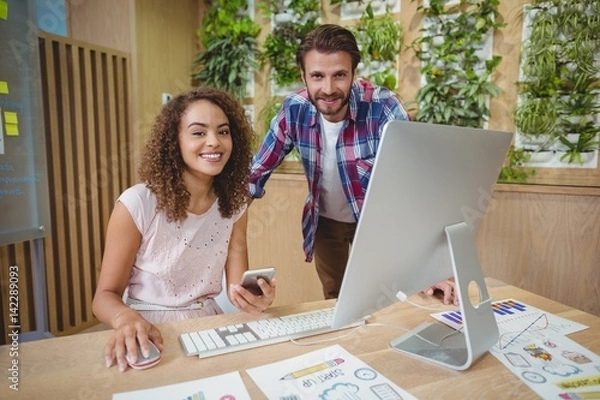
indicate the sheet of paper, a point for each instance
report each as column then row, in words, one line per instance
column 513, row 315
column 221, row 387
column 532, row 345
column 552, row 365
column 3, row 85
column 327, row 374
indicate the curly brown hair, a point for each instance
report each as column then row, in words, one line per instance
column 162, row 164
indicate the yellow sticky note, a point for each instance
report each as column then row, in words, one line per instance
column 3, row 87
column 10, row 117
column 3, row 9
column 12, row 130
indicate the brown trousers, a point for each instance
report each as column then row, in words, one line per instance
column 332, row 248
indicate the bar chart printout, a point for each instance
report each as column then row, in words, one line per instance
column 512, row 315
column 534, row 346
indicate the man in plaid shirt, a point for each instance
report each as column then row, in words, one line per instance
column 335, row 124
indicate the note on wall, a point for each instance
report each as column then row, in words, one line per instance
column 12, row 123
column 11, row 117
column 1, row 133
column 12, row 129
column 3, row 86
column 3, row 10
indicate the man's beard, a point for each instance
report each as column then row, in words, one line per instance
column 329, row 110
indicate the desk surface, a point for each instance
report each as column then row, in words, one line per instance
column 72, row 367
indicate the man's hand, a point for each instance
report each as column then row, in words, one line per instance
column 447, row 289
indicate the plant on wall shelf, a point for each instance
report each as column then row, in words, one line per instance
column 230, row 47
column 586, row 143
column 514, row 169
column 558, row 89
column 537, row 120
column 379, row 39
column 292, row 20
column 456, row 77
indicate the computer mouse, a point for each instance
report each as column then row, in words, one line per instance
column 146, row 362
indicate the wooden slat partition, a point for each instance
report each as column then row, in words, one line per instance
column 18, row 254
column 87, row 94
column 89, row 146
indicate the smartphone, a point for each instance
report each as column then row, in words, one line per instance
column 250, row 278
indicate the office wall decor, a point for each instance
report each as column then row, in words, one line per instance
column 559, row 87
column 230, row 47
column 291, row 20
column 380, row 40
column 457, row 62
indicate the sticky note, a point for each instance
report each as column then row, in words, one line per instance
column 3, row 87
column 12, row 130
column 3, row 10
column 10, row 117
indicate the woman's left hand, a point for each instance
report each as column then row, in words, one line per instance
column 246, row 301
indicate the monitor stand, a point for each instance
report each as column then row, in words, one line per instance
column 446, row 346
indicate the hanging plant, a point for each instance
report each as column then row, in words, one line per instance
column 456, row 79
column 514, row 169
column 379, row 39
column 230, row 46
column 561, row 76
column 292, row 20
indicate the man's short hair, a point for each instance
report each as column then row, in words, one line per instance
column 327, row 39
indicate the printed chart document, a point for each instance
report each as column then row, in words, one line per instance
column 533, row 345
column 512, row 314
column 327, row 374
column 222, row 387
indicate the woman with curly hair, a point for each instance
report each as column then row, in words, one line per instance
column 171, row 238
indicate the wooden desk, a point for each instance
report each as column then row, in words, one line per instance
column 72, row 367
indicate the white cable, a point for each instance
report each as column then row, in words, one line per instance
column 429, row 308
column 445, row 308
column 310, row 343
column 327, row 340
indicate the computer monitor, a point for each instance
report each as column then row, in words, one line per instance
column 429, row 190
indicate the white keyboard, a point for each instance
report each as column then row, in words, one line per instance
column 231, row 338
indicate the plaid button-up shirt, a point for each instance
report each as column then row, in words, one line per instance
column 297, row 126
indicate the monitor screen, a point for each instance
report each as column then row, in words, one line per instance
column 425, row 177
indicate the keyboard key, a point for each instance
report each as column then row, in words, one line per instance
column 188, row 344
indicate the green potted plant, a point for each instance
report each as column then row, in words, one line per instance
column 586, row 144
column 279, row 49
column 230, row 47
column 457, row 79
column 537, row 120
column 514, row 169
column 379, row 39
column 561, row 77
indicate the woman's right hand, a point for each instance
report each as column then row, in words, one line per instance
column 130, row 328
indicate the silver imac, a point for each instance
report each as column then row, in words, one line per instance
column 429, row 190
